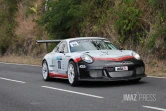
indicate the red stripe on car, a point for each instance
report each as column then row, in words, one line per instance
column 51, row 74
column 114, row 59
column 77, row 59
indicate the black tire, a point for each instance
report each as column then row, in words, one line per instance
column 73, row 71
column 45, row 71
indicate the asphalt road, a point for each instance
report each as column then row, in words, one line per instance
column 23, row 89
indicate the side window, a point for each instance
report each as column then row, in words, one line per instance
column 60, row 47
column 110, row 46
column 63, row 47
column 57, row 48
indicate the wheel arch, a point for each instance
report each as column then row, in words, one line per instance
column 71, row 59
column 43, row 61
column 47, row 64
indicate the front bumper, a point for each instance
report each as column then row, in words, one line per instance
column 111, row 79
column 105, row 70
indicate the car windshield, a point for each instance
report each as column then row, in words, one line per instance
column 85, row 45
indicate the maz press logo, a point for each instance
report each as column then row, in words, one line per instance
column 138, row 97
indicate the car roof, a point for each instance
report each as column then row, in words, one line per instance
column 80, row 38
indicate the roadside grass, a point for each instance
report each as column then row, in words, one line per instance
column 21, row 60
column 153, row 68
column 156, row 68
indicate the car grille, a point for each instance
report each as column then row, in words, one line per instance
column 121, row 74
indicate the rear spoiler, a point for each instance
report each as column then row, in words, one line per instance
column 48, row 41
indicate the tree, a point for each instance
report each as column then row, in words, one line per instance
column 63, row 17
column 7, row 23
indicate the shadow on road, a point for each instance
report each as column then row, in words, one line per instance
column 109, row 84
column 90, row 84
column 62, row 81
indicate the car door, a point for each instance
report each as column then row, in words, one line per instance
column 62, row 58
column 54, row 55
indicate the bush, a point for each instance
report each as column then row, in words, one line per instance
column 128, row 23
column 63, row 17
column 8, row 9
column 157, row 39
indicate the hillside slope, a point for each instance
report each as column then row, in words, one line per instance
column 139, row 25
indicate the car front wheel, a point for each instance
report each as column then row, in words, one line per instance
column 72, row 74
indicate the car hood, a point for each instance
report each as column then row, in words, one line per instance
column 108, row 53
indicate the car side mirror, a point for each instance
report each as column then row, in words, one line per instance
column 121, row 48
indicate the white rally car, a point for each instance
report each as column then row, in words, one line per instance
column 91, row 59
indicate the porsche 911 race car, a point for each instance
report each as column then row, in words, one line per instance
column 91, row 59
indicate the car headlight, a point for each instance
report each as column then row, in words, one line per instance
column 136, row 56
column 86, row 58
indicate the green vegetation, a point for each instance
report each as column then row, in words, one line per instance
column 157, row 39
column 128, row 23
column 7, row 23
column 134, row 24
column 63, row 17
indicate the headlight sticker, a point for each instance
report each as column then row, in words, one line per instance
column 87, row 58
column 136, row 56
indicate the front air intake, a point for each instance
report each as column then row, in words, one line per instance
column 96, row 73
column 140, row 70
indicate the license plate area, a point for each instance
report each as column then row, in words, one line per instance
column 121, row 68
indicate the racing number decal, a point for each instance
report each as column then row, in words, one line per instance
column 59, row 64
column 59, row 58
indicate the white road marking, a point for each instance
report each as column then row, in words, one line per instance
column 157, row 77
column 12, row 80
column 20, row 64
column 74, row 92
column 155, row 108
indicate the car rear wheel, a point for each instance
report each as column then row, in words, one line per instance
column 72, row 74
column 45, row 71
